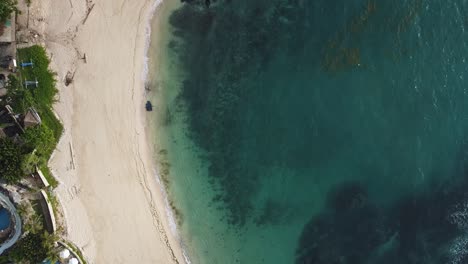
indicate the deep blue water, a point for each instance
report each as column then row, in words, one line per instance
column 4, row 219
column 327, row 131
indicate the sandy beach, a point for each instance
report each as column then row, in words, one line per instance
column 113, row 206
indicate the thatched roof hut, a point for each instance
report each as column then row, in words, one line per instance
column 31, row 118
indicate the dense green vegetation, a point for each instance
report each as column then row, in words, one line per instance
column 37, row 243
column 33, row 248
column 40, row 138
column 6, row 8
column 33, row 149
column 11, row 159
column 43, row 97
column 38, row 142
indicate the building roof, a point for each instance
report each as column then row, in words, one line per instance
column 31, row 118
column 8, row 35
column 9, row 131
column 3, row 91
column 5, row 116
column 9, row 124
column 6, row 122
column 64, row 254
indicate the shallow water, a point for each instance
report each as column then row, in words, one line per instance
column 316, row 131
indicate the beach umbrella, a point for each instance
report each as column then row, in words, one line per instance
column 64, row 254
column 73, row 261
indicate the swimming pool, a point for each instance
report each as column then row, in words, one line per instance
column 48, row 262
column 5, row 220
column 5, row 201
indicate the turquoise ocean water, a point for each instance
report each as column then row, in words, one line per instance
column 316, row 131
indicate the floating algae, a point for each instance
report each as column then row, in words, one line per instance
column 164, row 169
column 338, row 55
column 342, row 59
column 342, row 51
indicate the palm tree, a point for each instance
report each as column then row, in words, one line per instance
column 49, row 243
column 22, row 209
column 34, row 224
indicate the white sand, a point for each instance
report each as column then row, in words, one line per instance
column 113, row 207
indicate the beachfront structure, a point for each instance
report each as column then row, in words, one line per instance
column 50, row 223
column 39, row 175
column 9, row 30
column 8, row 46
column 3, row 83
column 27, row 64
column 31, row 83
column 9, row 125
column 31, row 118
column 64, row 254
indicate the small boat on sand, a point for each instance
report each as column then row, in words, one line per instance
column 149, row 106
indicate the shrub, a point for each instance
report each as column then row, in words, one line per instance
column 30, row 248
column 11, row 160
column 40, row 138
column 43, row 95
column 6, row 8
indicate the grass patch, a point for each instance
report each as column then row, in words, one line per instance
column 45, row 93
column 50, row 120
column 42, row 97
column 48, row 175
column 53, row 202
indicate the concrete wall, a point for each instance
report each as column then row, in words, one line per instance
column 51, row 224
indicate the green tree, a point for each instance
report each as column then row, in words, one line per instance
column 34, row 224
column 6, row 8
column 30, row 162
column 48, row 243
column 40, row 138
column 22, row 99
column 30, row 248
column 11, row 160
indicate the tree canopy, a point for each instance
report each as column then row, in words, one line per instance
column 31, row 248
column 11, row 160
column 6, row 8
column 40, row 138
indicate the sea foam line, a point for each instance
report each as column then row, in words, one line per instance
column 154, row 6
column 169, row 214
column 171, row 218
